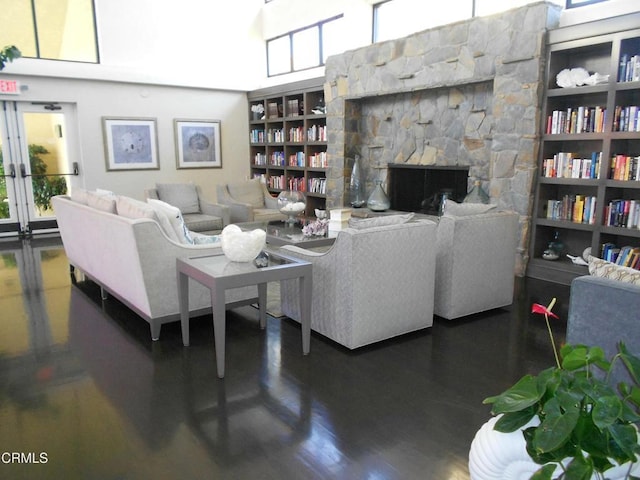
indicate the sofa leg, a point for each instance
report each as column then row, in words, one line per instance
column 155, row 331
column 103, row 293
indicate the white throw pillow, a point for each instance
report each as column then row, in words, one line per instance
column 171, row 221
column 102, row 202
column 460, row 209
column 131, row 208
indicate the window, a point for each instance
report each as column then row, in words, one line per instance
column 305, row 48
column 50, row 29
column 580, row 3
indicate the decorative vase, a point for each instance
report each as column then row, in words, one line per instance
column 555, row 248
column 378, row 200
column 292, row 203
column 240, row 246
column 503, row 456
column 476, row 194
column 356, row 185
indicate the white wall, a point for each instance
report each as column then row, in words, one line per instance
column 95, row 99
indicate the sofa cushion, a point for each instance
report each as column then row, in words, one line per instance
column 460, row 209
column 249, row 192
column 170, row 220
column 381, row 221
column 604, row 269
column 80, row 195
column 102, row 202
column 181, row 195
column 198, row 222
column 131, row 208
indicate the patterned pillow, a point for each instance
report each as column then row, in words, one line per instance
column 381, row 221
column 460, row 209
column 604, row 269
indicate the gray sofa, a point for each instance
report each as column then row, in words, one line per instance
column 603, row 312
column 120, row 244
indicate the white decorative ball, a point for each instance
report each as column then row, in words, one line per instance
column 240, row 246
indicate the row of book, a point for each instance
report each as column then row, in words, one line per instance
column 318, row 185
column 582, row 119
column 277, row 158
column 280, row 182
column 318, row 160
column 629, row 69
column 317, row 133
column 573, row 208
column 297, row 159
column 624, row 167
column 626, row 119
column 626, row 256
column 622, row 213
column 568, row 165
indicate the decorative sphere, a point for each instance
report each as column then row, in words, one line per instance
column 239, row 246
column 291, row 203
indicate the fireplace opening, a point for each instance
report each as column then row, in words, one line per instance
column 418, row 188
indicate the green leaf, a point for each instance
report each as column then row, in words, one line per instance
column 520, row 396
column 512, row 421
column 625, row 442
column 556, row 428
column 545, row 472
column 606, row 411
column 631, row 362
column 575, row 358
column 579, row 469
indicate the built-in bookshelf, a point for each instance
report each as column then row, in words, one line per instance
column 288, row 139
column 588, row 183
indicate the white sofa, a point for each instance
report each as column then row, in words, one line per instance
column 376, row 282
column 119, row 243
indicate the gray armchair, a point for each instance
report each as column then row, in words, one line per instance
column 373, row 284
column 249, row 201
column 475, row 265
column 199, row 214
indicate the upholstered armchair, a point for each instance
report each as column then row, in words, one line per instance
column 373, row 284
column 199, row 214
column 249, row 201
column 475, row 265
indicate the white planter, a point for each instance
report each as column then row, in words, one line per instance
column 503, row 456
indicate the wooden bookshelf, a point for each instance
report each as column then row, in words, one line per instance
column 601, row 47
column 288, row 141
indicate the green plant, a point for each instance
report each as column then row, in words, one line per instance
column 584, row 422
column 43, row 187
column 9, row 54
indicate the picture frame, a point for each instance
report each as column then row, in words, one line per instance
column 198, row 143
column 130, row 143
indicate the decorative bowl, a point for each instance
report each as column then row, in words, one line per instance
column 240, row 246
column 291, row 203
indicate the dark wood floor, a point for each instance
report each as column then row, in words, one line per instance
column 84, row 388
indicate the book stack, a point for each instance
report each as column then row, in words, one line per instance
column 622, row 213
column 573, row 208
column 339, row 218
column 569, row 165
column 624, row 167
column 626, row 256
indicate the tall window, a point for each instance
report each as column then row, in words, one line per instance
column 50, row 29
column 304, row 48
column 580, row 3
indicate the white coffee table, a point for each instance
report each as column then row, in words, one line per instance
column 217, row 273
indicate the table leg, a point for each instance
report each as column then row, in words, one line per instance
column 262, row 305
column 183, row 301
column 219, row 327
column 304, row 283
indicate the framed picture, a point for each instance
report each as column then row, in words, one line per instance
column 130, row 143
column 198, row 144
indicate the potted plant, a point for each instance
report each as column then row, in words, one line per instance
column 8, row 54
column 574, row 423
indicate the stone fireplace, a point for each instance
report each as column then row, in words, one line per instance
column 465, row 94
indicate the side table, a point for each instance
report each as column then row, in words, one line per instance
column 218, row 274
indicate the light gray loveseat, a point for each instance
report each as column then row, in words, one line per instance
column 119, row 243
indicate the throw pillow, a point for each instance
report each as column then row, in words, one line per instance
column 80, row 195
column 181, row 195
column 202, row 239
column 171, row 221
column 460, row 209
column 249, row 192
column 604, row 269
column 103, row 202
column 381, row 221
column 130, row 208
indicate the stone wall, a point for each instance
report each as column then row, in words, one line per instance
column 461, row 94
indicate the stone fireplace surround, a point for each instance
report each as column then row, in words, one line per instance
column 464, row 94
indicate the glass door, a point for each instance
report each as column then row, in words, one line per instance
column 35, row 165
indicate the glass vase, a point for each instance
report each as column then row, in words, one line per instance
column 477, row 194
column 378, row 200
column 356, row 185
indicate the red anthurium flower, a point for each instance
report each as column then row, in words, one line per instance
column 541, row 309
